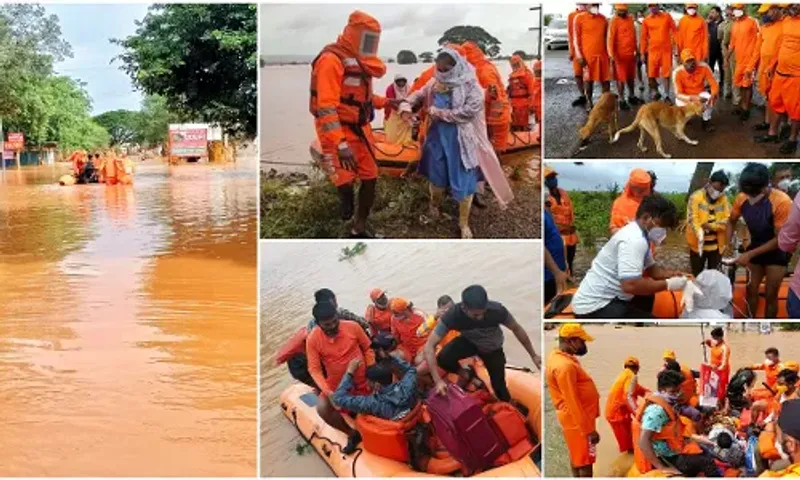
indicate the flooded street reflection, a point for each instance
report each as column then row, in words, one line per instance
column 127, row 323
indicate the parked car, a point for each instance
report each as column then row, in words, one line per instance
column 555, row 34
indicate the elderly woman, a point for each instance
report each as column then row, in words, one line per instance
column 456, row 149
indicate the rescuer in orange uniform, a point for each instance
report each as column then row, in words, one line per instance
column 744, row 34
column 623, row 210
column 622, row 403
column 563, row 212
column 720, row 356
column 577, row 68
column 537, row 95
column 343, row 106
column 657, row 40
column 378, row 314
column 784, row 94
column 575, row 397
column 520, row 94
column 590, row 31
column 767, row 46
column 771, row 366
column 406, row 321
column 788, row 437
column 689, row 385
column 623, row 52
column 690, row 80
column 498, row 110
column 693, row 34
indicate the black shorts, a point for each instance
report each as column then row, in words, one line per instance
column 775, row 257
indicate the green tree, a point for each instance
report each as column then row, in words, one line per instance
column 406, row 57
column 122, row 126
column 155, row 118
column 426, row 57
column 547, row 19
column 202, row 58
column 462, row 33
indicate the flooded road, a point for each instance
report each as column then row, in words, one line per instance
column 127, row 333
column 732, row 138
column 287, row 129
column 607, row 354
column 416, row 271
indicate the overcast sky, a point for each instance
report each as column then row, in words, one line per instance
column 88, row 29
column 302, row 29
column 598, row 175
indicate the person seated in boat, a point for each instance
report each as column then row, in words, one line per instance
column 327, row 295
column 662, row 444
column 406, row 322
column 389, row 400
column 456, row 144
column 785, row 389
column 378, row 314
column 330, row 348
column 624, row 277
column 771, row 366
column 478, row 321
column 396, row 123
column 722, row 443
column 788, row 439
column 88, row 172
column 765, row 211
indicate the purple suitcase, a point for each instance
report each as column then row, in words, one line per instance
column 464, row 429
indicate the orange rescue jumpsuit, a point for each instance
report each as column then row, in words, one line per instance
column 621, row 405
column 721, row 360
column 784, row 94
column 498, row 110
column 537, row 95
column 770, row 371
column 693, row 34
column 623, row 210
column 342, row 101
column 564, row 217
column 577, row 69
column 622, row 47
column 334, row 353
column 744, row 34
column 694, row 83
column 408, row 340
column 520, row 93
column 767, row 46
column 577, row 402
column 689, row 387
column 656, row 42
column 590, row 45
column 379, row 319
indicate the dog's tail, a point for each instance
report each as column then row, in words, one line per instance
column 629, row 128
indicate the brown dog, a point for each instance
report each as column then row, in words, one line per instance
column 658, row 114
column 605, row 110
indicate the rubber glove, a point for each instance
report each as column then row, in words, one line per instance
column 676, row 283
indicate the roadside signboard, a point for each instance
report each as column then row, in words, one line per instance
column 16, row 141
column 8, row 154
column 188, row 141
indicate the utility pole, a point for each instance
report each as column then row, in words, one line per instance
column 538, row 29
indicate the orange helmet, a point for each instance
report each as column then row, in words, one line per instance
column 686, row 55
column 399, row 304
column 376, row 293
column 362, row 34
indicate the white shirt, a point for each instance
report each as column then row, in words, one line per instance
column 627, row 255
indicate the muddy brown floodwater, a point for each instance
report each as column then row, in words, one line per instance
column 612, row 344
column 421, row 272
column 127, row 339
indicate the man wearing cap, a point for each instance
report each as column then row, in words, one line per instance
column 330, row 348
column 693, row 34
column 788, row 437
column 689, row 385
column 623, row 210
column 743, row 47
column 406, row 320
column 378, row 313
column 658, row 38
column 591, row 29
column 690, row 80
column 622, row 403
column 623, row 51
column 563, row 213
column 478, row 320
column 575, row 398
column 784, row 94
column 767, row 44
column 624, row 278
column 577, row 68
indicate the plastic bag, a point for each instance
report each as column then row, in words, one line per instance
column 708, row 296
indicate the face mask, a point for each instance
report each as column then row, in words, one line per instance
column 672, row 397
column 713, row 193
column 784, row 185
column 714, row 342
column 691, row 11
column 551, row 182
column 594, row 10
column 657, row 235
column 738, row 13
column 622, row 14
column 654, row 10
column 768, row 362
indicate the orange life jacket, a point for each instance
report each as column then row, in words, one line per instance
column 517, row 88
column 355, row 100
column 387, row 438
column 294, row 346
column 689, row 385
column 512, row 427
column 672, row 433
column 381, row 320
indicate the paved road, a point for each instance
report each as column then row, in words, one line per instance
column 732, row 138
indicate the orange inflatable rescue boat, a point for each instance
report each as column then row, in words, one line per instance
column 395, row 159
column 668, row 304
column 383, row 453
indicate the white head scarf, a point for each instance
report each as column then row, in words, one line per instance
column 460, row 74
column 401, row 93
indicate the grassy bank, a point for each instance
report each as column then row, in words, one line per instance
column 299, row 206
column 555, row 449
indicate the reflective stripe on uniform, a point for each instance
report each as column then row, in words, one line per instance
column 352, row 81
column 327, row 127
column 326, row 111
column 350, row 62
